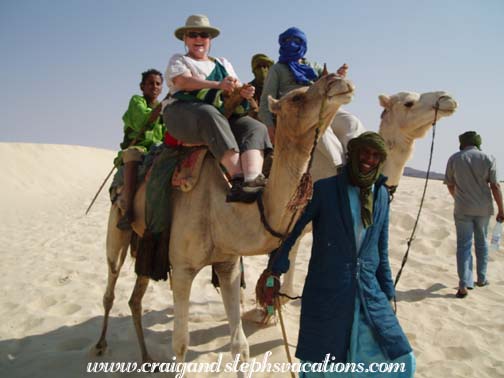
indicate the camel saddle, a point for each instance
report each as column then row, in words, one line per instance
column 188, row 170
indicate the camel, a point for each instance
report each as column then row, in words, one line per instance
column 208, row 231
column 407, row 116
column 344, row 127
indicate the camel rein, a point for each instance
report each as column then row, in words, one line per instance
column 295, row 206
column 299, row 198
column 412, row 236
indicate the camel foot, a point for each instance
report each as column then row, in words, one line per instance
column 259, row 316
column 150, row 360
column 99, row 349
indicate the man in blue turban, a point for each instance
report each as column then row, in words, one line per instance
column 292, row 51
column 293, row 71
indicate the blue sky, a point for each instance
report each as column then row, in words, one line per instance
column 69, row 67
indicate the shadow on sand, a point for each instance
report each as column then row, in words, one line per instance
column 65, row 352
column 416, row 295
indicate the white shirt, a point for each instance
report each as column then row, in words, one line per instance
column 180, row 64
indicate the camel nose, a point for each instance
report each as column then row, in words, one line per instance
column 350, row 86
column 337, row 85
column 447, row 103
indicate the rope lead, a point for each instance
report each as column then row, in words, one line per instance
column 411, row 238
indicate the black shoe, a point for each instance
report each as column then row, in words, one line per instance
column 237, row 194
column 461, row 293
column 481, row 284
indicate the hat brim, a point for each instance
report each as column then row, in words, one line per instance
column 179, row 33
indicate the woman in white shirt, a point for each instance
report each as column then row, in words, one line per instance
column 194, row 113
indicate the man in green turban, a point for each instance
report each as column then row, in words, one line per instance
column 366, row 155
column 260, row 67
column 471, row 177
column 468, row 139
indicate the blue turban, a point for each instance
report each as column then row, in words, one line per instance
column 292, row 48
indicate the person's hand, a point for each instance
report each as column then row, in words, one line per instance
column 342, row 71
column 247, row 92
column 228, row 84
column 500, row 216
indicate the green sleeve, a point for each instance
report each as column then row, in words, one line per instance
column 137, row 114
column 136, row 117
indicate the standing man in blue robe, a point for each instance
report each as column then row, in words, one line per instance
column 345, row 308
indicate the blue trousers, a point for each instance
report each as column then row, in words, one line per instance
column 467, row 226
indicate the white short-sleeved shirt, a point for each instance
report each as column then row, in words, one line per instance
column 180, row 64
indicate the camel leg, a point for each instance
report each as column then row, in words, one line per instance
column 117, row 247
column 135, row 303
column 182, row 279
column 288, row 278
column 229, row 278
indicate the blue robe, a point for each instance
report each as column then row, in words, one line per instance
column 337, row 274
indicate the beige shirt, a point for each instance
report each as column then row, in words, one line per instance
column 471, row 171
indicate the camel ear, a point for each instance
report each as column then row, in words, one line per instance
column 324, row 71
column 384, row 101
column 273, row 105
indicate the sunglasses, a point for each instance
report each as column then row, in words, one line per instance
column 194, row 34
column 297, row 40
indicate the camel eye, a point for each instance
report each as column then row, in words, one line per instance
column 298, row 98
column 409, row 104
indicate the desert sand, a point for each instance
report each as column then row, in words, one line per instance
column 53, row 275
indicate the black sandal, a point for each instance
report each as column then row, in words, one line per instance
column 461, row 294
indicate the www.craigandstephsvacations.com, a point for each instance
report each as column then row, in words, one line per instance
column 249, row 368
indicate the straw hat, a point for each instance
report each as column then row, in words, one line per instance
column 197, row 22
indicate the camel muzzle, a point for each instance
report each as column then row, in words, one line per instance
column 337, row 86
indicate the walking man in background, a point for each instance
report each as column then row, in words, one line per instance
column 471, row 177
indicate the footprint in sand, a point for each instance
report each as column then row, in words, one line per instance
column 64, row 280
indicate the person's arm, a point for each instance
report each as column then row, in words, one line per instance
column 270, row 88
column 497, row 195
column 281, row 261
column 187, row 82
column 330, row 146
column 384, row 273
column 495, row 188
column 451, row 189
column 180, row 74
column 155, row 113
column 449, row 179
column 138, row 114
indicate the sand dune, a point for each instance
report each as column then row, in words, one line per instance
column 53, row 275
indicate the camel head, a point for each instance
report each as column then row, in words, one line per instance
column 406, row 117
column 300, row 111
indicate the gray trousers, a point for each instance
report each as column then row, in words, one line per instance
column 200, row 123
